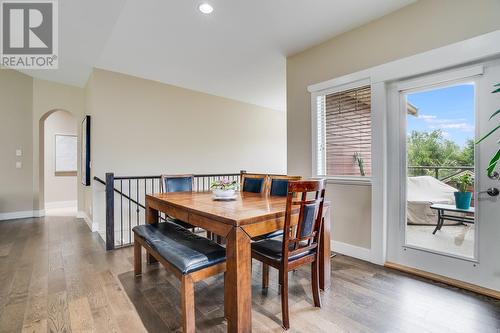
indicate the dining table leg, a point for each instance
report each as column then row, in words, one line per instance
column 325, row 252
column 238, row 282
column 152, row 216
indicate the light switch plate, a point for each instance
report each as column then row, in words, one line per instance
column 19, row 152
column 19, row 165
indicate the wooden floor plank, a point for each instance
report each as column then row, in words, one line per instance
column 58, row 313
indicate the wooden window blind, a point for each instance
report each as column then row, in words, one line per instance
column 344, row 133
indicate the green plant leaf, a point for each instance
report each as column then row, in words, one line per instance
column 493, row 163
column 496, row 90
column 488, row 134
column 497, row 85
column 495, row 113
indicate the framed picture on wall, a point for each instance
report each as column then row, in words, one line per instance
column 65, row 155
column 85, row 151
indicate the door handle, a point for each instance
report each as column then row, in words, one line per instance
column 492, row 192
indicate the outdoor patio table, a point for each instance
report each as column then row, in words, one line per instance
column 442, row 215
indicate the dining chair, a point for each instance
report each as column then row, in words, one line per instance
column 253, row 182
column 277, row 186
column 177, row 183
column 300, row 243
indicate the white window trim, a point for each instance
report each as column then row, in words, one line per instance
column 326, row 90
column 444, row 78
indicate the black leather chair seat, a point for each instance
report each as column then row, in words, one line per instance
column 185, row 250
column 273, row 249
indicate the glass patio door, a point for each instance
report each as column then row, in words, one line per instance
column 443, row 209
column 440, row 150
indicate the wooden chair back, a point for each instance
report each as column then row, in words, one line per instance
column 278, row 184
column 308, row 197
column 253, row 182
column 177, row 183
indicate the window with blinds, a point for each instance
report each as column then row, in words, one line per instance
column 344, row 133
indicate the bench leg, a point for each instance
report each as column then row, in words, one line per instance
column 265, row 276
column 187, row 297
column 137, row 257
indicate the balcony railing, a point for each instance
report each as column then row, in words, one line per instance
column 126, row 201
column 443, row 173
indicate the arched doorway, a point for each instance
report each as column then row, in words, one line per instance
column 58, row 162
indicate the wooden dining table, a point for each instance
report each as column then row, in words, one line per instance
column 238, row 221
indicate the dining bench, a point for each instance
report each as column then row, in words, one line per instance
column 188, row 256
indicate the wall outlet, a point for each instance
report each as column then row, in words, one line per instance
column 19, row 165
column 19, row 152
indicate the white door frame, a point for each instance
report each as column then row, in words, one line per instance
column 469, row 51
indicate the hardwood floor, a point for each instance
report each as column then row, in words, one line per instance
column 56, row 277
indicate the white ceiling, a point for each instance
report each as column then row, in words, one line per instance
column 239, row 51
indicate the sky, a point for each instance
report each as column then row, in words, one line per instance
column 450, row 109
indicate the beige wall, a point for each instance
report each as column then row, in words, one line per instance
column 142, row 127
column 16, row 185
column 47, row 97
column 425, row 25
column 24, row 104
column 58, row 188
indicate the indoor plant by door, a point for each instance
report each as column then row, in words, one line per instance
column 463, row 196
column 496, row 157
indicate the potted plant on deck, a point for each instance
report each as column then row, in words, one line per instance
column 463, row 196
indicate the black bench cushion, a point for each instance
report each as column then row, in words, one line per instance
column 180, row 247
column 273, row 249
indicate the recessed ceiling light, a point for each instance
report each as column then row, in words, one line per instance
column 205, row 8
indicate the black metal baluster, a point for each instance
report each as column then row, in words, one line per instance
column 110, row 211
column 121, row 212
column 137, row 199
column 129, row 214
column 145, row 182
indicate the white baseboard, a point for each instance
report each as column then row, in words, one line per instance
column 92, row 225
column 61, row 204
column 39, row 213
column 22, row 214
column 352, row 250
